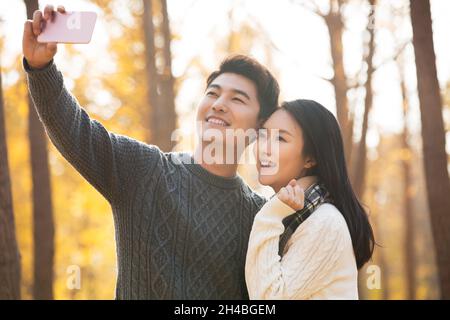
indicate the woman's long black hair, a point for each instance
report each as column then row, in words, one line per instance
column 323, row 142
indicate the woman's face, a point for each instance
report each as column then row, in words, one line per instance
column 278, row 151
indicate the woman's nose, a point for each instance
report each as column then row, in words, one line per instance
column 265, row 148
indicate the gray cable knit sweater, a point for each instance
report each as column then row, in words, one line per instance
column 181, row 232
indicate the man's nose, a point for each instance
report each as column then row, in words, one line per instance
column 219, row 106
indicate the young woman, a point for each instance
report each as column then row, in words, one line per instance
column 331, row 238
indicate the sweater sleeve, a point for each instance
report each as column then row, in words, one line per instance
column 306, row 266
column 106, row 160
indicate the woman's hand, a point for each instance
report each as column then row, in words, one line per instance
column 292, row 195
column 37, row 54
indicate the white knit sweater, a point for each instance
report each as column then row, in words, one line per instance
column 318, row 260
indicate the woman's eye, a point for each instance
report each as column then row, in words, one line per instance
column 212, row 94
column 280, row 138
column 238, row 100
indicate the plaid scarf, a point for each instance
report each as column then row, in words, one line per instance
column 315, row 195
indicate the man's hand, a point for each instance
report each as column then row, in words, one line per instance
column 292, row 195
column 38, row 55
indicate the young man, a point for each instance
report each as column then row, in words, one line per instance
column 181, row 229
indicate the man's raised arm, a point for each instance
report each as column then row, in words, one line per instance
column 105, row 159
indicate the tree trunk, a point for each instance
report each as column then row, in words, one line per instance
column 167, row 86
column 359, row 169
column 9, row 252
column 152, row 75
column 335, row 27
column 410, row 265
column 43, row 225
column 384, row 274
column 433, row 138
column 381, row 253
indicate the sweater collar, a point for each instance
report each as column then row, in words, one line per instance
column 210, row 178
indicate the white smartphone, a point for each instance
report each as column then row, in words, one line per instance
column 69, row 27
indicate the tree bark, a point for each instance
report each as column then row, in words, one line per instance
column 152, row 74
column 43, row 224
column 410, row 265
column 359, row 168
column 381, row 253
column 334, row 22
column 9, row 252
column 167, row 86
column 433, row 138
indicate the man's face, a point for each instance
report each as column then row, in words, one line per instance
column 230, row 102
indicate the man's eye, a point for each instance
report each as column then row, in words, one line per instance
column 280, row 138
column 212, row 94
column 238, row 100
